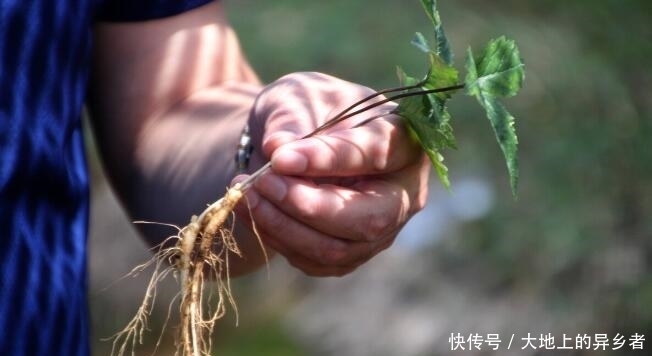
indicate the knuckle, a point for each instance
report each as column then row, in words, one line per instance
column 388, row 216
column 420, row 198
column 377, row 226
column 419, row 203
column 333, row 253
column 292, row 79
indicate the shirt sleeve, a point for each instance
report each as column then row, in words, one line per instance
column 142, row 10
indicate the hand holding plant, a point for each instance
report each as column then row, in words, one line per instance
column 337, row 187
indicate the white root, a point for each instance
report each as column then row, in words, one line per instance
column 202, row 246
column 133, row 333
column 196, row 253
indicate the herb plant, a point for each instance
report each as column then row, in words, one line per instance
column 497, row 72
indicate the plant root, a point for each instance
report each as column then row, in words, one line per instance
column 202, row 249
column 200, row 257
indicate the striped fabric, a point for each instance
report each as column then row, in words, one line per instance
column 44, row 60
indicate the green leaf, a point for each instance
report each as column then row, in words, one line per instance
column 440, row 75
column 503, row 124
column 426, row 116
column 411, row 110
column 498, row 72
column 421, row 42
column 442, row 45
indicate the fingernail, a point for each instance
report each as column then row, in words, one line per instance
column 272, row 187
column 289, row 161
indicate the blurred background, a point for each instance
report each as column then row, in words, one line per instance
column 571, row 256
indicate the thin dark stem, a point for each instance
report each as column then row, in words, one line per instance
column 339, row 118
column 346, row 114
column 334, row 120
column 370, row 119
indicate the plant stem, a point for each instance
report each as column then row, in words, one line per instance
column 247, row 183
column 340, row 117
column 337, row 117
column 346, row 114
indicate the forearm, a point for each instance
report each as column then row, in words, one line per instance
column 169, row 101
column 183, row 161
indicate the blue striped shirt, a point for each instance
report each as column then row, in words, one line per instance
column 44, row 61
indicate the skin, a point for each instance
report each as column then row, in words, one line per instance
column 168, row 101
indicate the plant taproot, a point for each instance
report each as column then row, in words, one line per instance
column 199, row 253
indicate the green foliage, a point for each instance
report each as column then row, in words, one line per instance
column 585, row 147
column 497, row 73
column 428, row 122
column 585, row 151
column 442, row 45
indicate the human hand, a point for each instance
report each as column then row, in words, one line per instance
column 333, row 201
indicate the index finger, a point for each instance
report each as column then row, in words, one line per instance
column 379, row 146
